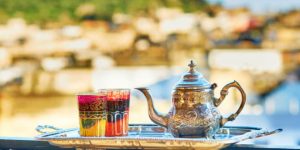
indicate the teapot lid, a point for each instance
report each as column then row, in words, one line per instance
column 192, row 79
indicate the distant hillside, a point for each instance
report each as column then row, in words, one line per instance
column 41, row 11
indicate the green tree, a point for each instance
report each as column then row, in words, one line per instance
column 43, row 11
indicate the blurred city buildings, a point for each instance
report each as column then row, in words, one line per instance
column 168, row 36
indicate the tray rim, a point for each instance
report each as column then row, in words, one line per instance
column 45, row 136
column 255, row 132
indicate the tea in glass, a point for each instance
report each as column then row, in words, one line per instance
column 117, row 112
column 92, row 113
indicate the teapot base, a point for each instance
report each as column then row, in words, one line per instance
column 194, row 133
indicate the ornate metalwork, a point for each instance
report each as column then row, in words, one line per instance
column 150, row 137
column 194, row 112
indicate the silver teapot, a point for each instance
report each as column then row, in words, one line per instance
column 194, row 112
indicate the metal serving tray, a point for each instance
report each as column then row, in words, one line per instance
column 149, row 136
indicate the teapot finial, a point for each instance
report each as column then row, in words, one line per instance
column 192, row 65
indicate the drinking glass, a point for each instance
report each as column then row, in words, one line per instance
column 117, row 112
column 92, row 113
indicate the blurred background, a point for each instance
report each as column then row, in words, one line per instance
column 50, row 50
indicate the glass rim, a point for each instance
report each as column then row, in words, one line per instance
column 87, row 93
column 101, row 90
column 117, row 89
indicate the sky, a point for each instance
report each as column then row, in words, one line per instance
column 261, row 6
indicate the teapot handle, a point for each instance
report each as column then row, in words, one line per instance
column 223, row 94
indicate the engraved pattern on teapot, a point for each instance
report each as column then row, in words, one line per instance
column 190, row 98
column 194, row 112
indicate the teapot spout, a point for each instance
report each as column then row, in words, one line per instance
column 155, row 116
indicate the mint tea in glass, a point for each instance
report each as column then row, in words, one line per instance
column 92, row 113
